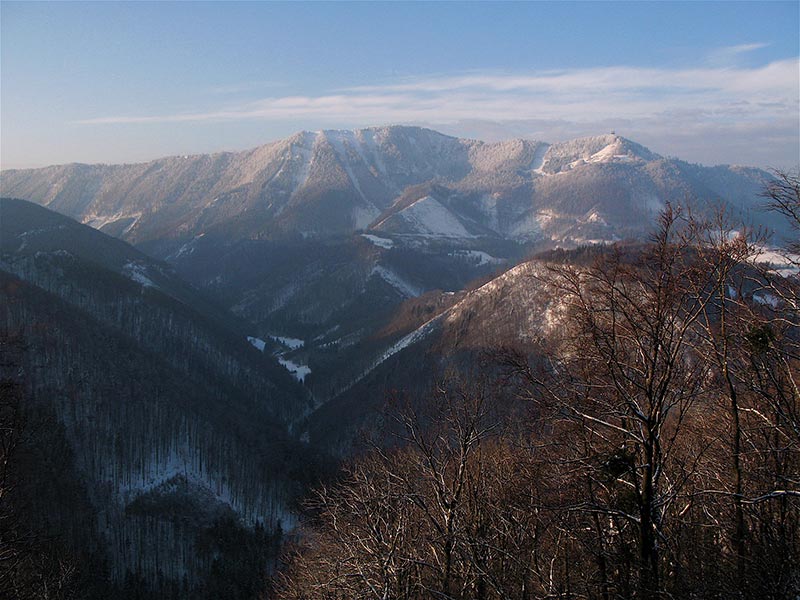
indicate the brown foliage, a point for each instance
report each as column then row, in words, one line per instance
column 661, row 458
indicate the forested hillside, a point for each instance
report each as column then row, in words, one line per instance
column 174, row 431
column 632, row 433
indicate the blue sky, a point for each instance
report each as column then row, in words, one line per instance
column 122, row 82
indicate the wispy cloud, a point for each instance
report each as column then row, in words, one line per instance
column 730, row 55
column 719, row 93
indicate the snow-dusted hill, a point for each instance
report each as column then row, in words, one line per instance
column 405, row 181
column 515, row 308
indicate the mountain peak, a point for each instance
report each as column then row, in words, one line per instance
column 608, row 148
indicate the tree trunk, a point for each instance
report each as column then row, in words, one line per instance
column 648, row 551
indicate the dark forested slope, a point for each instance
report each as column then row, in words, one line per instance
column 175, row 423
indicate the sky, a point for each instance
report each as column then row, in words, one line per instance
column 713, row 83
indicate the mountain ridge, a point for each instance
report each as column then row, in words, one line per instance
column 331, row 182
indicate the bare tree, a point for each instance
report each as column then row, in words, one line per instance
column 447, row 514
column 659, row 457
column 783, row 196
column 723, row 252
column 624, row 382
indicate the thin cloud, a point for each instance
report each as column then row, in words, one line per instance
column 729, row 55
column 741, row 48
column 759, row 93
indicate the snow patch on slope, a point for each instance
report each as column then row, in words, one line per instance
column 182, row 463
column 488, row 208
column 431, row 325
column 427, row 216
column 138, row 273
column 384, row 243
column 537, row 163
column 565, row 156
column 257, row 343
column 477, row 257
column 368, row 136
column 364, row 215
column 397, row 282
column 299, row 371
column 412, row 338
column 595, row 217
column 96, row 221
column 778, row 260
column 766, row 299
column 341, row 142
column 614, row 152
column 526, row 227
column 186, row 249
column 304, row 156
column 653, row 203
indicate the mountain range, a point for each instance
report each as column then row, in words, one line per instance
column 399, row 181
column 210, row 330
column 323, row 235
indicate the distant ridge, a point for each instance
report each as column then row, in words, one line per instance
column 397, row 180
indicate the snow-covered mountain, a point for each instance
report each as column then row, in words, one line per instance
column 410, row 182
column 322, row 235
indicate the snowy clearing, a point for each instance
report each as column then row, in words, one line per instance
column 257, row 342
column 477, row 257
column 299, row 371
column 290, row 342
